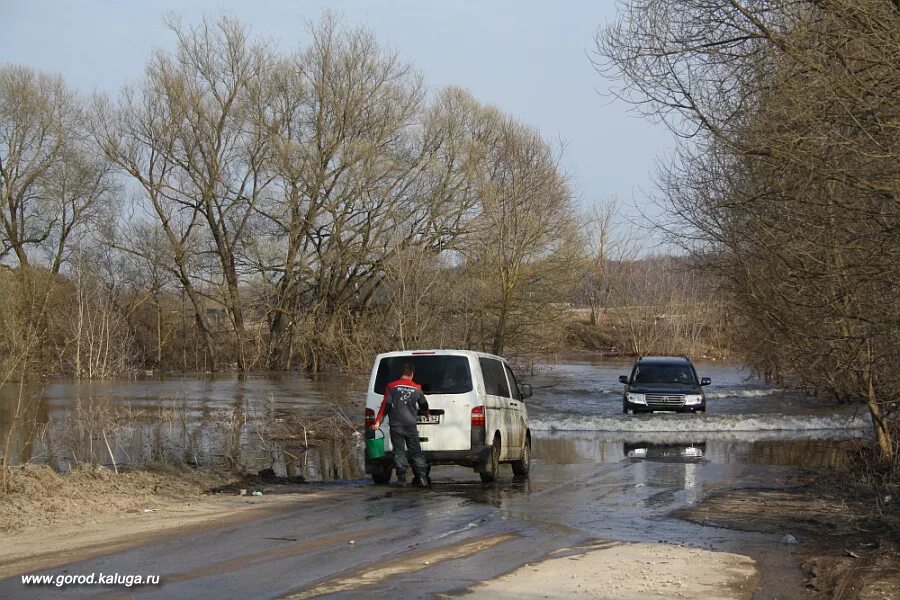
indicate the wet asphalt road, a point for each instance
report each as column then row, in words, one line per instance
column 581, row 489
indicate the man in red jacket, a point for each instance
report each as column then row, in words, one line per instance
column 404, row 402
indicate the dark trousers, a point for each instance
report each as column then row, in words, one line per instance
column 405, row 441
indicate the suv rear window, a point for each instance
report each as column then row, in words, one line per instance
column 436, row 374
column 664, row 374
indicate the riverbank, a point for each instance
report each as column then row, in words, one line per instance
column 40, row 497
column 848, row 549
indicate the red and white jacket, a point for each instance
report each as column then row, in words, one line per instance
column 403, row 402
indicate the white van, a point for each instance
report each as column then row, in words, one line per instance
column 477, row 416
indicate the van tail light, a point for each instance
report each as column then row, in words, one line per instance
column 478, row 416
column 370, row 417
column 478, row 434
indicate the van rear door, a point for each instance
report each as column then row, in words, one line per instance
column 517, row 413
column 496, row 401
column 446, row 381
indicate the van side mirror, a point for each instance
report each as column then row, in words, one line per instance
column 527, row 392
column 623, row 379
column 705, row 381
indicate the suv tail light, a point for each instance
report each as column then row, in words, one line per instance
column 370, row 417
column 478, row 416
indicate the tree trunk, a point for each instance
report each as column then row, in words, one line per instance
column 883, row 440
column 202, row 321
column 500, row 332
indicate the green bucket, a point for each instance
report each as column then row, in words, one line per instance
column 375, row 445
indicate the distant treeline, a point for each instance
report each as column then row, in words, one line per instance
column 651, row 305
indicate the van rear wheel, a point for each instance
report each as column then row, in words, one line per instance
column 522, row 466
column 493, row 463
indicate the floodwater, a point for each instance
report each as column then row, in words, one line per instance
column 271, row 421
column 596, row 474
column 583, row 393
column 250, row 423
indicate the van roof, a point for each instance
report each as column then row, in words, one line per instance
column 441, row 352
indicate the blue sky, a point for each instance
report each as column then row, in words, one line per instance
column 528, row 58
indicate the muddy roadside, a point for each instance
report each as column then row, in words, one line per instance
column 847, row 548
column 48, row 519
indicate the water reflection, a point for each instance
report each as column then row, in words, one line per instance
column 247, row 424
column 770, row 448
column 649, row 450
column 669, row 483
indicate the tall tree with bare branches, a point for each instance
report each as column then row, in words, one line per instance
column 789, row 186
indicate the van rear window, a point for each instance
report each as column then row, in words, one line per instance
column 436, row 374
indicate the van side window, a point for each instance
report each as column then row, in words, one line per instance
column 494, row 379
column 516, row 390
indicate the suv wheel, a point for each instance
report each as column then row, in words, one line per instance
column 493, row 463
column 522, row 466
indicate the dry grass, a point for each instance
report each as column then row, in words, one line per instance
column 872, row 486
column 39, row 496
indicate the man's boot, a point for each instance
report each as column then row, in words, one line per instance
column 420, row 482
column 401, row 479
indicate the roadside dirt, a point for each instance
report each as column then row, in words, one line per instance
column 625, row 571
column 50, row 519
column 847, row 555
column 41, row 497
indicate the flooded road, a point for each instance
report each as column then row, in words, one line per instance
column 581, row 490
column 596, row 475
column 582, row 393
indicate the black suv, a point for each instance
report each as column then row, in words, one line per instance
column 663, row 383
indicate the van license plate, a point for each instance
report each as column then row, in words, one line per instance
column 429, row 420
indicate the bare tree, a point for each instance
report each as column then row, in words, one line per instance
column 135, row 137
column 362, row 172
column 788, row 188
column 25, row 296
column 526, row 244
column 609, row 242
column 193, row 140
column 47, row 181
